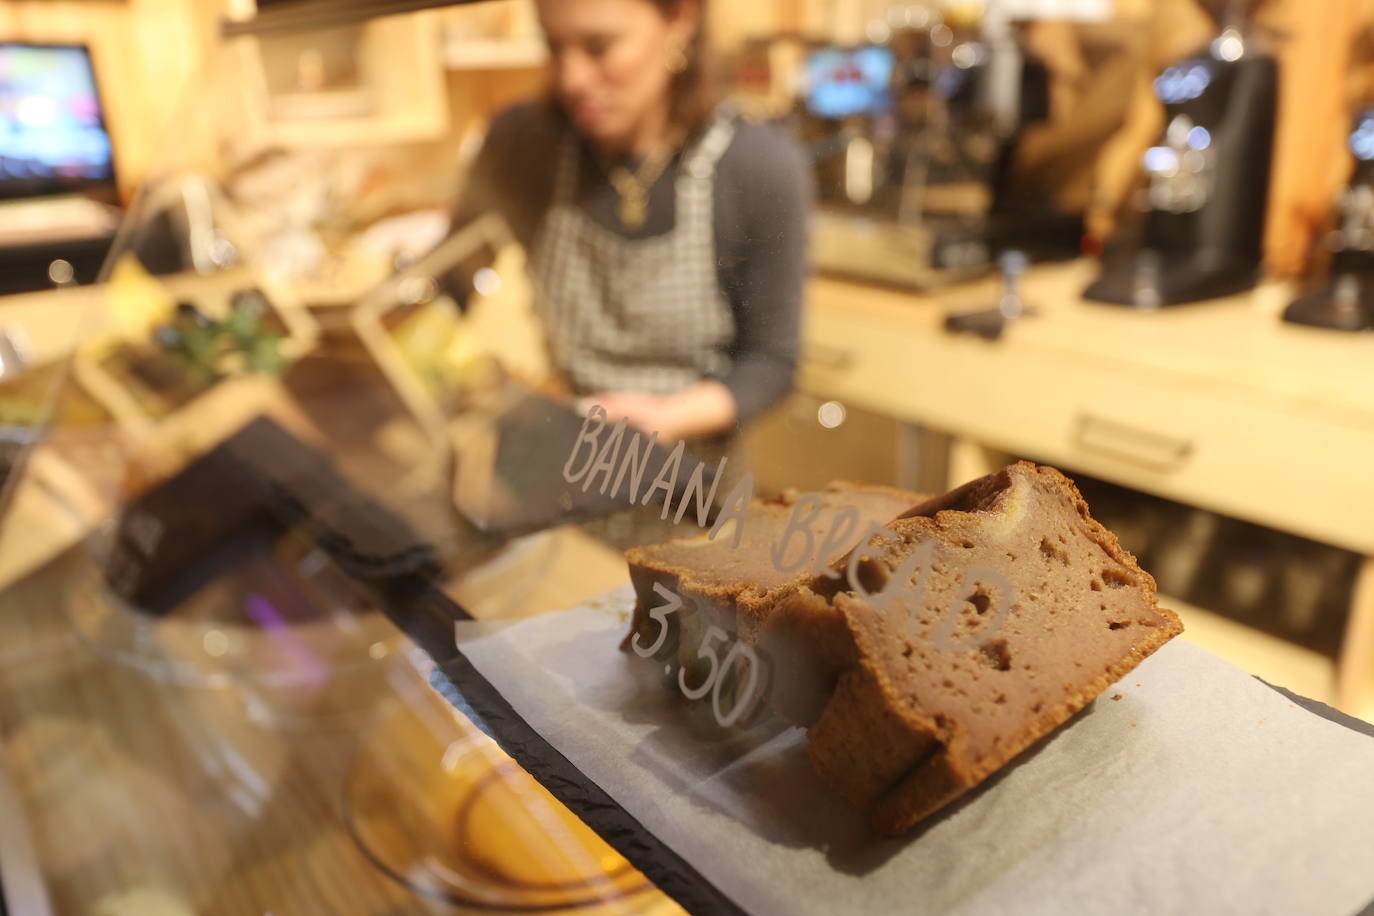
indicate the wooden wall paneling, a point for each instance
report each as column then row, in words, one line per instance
column 1311, row 162
column 850, row 19
column 791, row 16
column 814, row 16
column 169, row 47
column 731, row 24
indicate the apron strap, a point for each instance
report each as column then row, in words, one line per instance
column 565, row 170
column 700, row 161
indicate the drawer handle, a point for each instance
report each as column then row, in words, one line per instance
column 1152, row 450
column 826, row 357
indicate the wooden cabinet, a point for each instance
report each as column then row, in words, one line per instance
column 1083, row 387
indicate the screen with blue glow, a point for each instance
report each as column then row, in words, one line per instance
column 1362, row 137
column 848, row 81
column 52, row 131
column 1183, row 82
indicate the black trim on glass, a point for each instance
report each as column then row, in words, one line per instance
column 427, row 617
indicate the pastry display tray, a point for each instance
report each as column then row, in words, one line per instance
column 1187, row 786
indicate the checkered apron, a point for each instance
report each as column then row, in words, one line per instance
column 642, row 315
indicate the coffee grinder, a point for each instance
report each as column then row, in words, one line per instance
column 1207, row 183
column 1346, row 301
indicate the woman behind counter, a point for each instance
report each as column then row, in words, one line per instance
column 666, row 237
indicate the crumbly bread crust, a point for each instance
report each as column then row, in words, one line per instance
column 909, row 707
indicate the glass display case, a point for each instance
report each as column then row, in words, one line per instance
column 326, row 593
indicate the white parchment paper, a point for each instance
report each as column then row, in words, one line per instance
column 1200, row 791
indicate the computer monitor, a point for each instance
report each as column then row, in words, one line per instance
column 841, row 82
column 53, row 138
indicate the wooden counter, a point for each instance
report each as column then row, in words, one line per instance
column 1218, row 405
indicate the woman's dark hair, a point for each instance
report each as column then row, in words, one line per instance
column 693, row 93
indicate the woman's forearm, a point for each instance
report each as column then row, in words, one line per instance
column 705, row 409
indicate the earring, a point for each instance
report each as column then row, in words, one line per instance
column 677, row 59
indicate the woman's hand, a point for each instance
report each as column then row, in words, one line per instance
column 705, row 409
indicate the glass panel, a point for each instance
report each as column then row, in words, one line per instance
column 439, row 506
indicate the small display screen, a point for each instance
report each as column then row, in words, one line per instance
column 1362, row 137
column 52, row 130
column 848, row 81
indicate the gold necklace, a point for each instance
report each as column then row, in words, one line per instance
column 633, row 187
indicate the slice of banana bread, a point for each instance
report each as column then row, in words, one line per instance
column 995, row 613
column 731, row 585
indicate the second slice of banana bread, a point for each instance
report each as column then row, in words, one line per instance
column 732, row 585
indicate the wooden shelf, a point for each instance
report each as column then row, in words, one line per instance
column 401, row 98
column 494, row 54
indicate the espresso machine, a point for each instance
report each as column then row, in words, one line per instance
column 1346, row 301
column 906, row 150
column 1207, row 183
